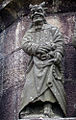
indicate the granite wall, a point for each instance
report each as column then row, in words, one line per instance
column 15, row 65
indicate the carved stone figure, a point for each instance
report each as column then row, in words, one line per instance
column 43, row 92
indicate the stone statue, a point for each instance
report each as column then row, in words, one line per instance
column 43, row 92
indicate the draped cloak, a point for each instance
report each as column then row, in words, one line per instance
column 45, row 75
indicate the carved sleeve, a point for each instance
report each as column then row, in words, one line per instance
column 58, row 40
column 28, row 45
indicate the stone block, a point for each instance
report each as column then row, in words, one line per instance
column 50, row 119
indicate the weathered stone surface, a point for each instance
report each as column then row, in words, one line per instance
column 70, row 88
column 11, row 10
column 16, row 64
column 51, row 119
column 4, row 3
column 1, row 74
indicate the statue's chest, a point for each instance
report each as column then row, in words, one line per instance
column 42, row 36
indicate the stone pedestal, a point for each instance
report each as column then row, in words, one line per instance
column 74, row 118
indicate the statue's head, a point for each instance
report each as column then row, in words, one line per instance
column 37, row 12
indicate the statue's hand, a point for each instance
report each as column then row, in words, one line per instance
column 43, row 49
column 47, row 56
column 49, row 46
column 57, row 58
column 46, row 47
column 44, row 57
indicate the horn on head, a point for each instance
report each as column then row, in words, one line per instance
column 42, row 4
column 30, row 6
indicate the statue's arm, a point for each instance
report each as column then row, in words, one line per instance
column 59, row 42
column 28, row 45
column 32, row 48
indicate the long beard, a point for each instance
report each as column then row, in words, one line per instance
column 38, row 27
column 38, row 23
column 38, row 20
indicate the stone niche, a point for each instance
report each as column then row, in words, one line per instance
column 14, row 22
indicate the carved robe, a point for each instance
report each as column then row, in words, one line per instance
column 44, row 80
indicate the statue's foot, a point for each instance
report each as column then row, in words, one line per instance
column 57, row 116
column 48, row 110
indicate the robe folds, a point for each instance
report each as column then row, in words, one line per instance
column 44, row 79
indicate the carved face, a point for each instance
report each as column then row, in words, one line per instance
column 37, row 14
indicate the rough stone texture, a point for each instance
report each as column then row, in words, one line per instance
column 11, row 10
column 16, row 64
column 51, row 119
column 1, row 74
